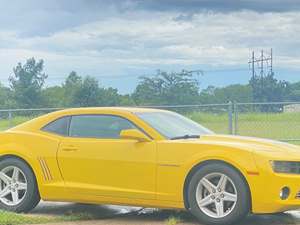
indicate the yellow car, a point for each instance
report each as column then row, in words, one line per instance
column 145, row 157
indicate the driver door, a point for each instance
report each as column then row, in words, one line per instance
column 94, row 160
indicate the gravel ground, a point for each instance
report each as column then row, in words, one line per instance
column 120, row 215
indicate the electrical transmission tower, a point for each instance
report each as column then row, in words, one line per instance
column 261, row 65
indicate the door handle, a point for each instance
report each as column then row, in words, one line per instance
column 69, row 149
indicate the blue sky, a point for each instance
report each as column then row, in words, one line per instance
column 119, row 40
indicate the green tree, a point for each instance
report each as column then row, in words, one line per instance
column 27, row 83
column 126, row 100
column 233, row 93
column 83, row 92
column 294, row 94
column 167, row 88
column 109, row 97
column 71, row 86
column 269, row 89
column 88, row 93
column 6, row 98
column 54, row 97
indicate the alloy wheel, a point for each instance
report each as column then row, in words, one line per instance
column 13, row 186
column 216, row 195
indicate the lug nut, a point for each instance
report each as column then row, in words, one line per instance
column 218, row 200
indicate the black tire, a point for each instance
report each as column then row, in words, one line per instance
column 32, row 196
column 242, row 206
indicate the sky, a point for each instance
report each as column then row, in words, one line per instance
column 117, row 41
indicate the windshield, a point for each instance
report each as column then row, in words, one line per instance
column 173, row 125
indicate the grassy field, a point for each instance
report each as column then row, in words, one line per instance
column 8, row 218
column 279, row 126
column 5, row 123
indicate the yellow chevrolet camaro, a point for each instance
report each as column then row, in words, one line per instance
column 145, row 157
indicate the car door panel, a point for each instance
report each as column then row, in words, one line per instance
column 108, row 167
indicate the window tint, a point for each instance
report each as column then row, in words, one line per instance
column 59, row 126
column 98, row 126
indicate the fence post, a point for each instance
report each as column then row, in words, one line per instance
column 9, row 118
column 230, row 118
column 236, row 118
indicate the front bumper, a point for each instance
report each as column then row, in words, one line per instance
column 266, row 186
column 266, row 194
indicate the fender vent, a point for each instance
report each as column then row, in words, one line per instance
column 46, row 171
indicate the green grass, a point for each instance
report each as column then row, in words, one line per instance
column 8, row 218
column 5, row 123
column 216, row 122
column 172, row 220
column 277, row 126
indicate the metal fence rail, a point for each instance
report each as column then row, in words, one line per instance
column 275, row 120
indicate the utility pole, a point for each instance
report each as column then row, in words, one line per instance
column 263, row 65
column 271, row 69
column 252, row 64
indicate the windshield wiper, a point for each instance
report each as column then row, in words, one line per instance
column 187, row 136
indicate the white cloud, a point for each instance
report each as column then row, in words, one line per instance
column 153, row 40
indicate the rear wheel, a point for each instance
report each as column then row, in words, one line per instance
column 18, row 188
column 218, row 194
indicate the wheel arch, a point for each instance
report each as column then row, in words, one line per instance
column 206, row 162
column 7, row 156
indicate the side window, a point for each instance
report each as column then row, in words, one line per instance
column 98, row 126
column 59, row 126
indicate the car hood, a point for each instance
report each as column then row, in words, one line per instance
column 258, row 145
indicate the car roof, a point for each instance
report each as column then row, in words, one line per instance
column 44, row 119
column 114, row 109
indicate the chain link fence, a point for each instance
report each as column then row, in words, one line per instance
column 217, row 117
column 12, row 117
column 274, row 120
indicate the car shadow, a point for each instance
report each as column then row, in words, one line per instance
column 98, row 212
column 266, row 219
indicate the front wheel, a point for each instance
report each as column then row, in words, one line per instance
column 18, row 187
column 218, row 194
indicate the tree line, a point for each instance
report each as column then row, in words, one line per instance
column 27, row 90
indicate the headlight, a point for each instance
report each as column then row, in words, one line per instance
column 286, row 167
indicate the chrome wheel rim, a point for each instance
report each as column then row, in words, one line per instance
column 13, row 186
column 216, row 195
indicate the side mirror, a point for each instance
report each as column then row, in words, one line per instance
column 134, row 134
